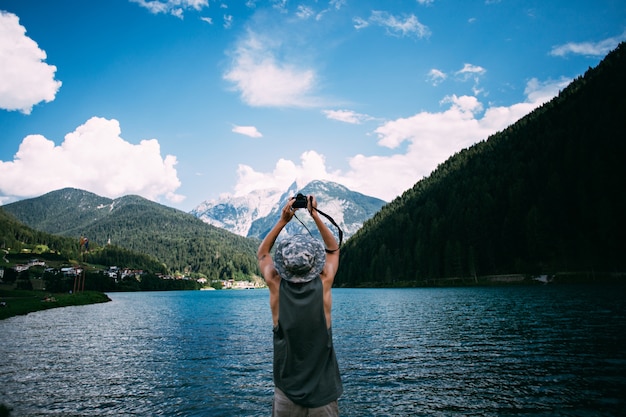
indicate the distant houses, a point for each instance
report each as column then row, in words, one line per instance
column 231, row 284
column 120, row 274
column 32, row 262
column 71, row 271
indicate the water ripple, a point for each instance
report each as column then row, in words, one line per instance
column 523, row 351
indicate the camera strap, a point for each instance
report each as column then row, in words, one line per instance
column 339, row 231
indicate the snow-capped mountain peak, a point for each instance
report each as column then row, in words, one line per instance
column 236, row 214
column 253, row 215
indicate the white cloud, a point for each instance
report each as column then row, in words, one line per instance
column 196, row 4
column 436, row 76
column 94, row 158
column 280, row 5
column 539, row 92
column 432, row 138
column 304, row 12
column 25, row 79
column 312, row 167
column 346, row 116
column 247, row 131
column 589, row 48
column 396, row 26
column 177, row 12
column 173, row 7
column 337, row 4
column 263, row 81
column 360, row 23
column 470, row 70
column 153, row 6
column 228, row 21
column 427, row 129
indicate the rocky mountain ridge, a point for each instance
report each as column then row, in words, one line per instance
column 254, row 215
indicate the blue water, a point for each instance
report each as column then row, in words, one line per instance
column 504, row 351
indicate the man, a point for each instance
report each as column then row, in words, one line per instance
column 300, row 279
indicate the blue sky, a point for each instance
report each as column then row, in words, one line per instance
column 182, row 101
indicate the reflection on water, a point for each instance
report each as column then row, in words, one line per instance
column 530, row 351
column 488, row 351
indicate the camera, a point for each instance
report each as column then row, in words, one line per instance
column 301, row 201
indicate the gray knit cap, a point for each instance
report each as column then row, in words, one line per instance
column 299, row 258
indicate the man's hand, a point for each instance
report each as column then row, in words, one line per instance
column 288, row 211
column 312, row 204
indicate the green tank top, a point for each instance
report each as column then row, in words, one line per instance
column 305, row 365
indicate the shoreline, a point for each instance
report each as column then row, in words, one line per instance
column 21, row 302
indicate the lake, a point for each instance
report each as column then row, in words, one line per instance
column 553, row 350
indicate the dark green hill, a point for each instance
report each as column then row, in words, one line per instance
column 15, row 235
column 546, row 195
column 178, row 239
column 20, row 243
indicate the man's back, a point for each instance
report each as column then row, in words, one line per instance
column 305, row 365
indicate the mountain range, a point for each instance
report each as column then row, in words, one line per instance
column 189, row 243
column 254, row 215
column 184, row 243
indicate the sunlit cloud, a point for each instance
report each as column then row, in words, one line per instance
column 173, row 7
column 542, row 92
column 431, row 137
column 337, row 4
column 360, row 23
column 407, row 26
column 346, row 116
column 95, row 158
column 436, row 76
column 25, row 79
column 304, row 12
column 471, row 72
column 333, row 5
column 264, row 81
column 228, row 21
column 596, row 49
column 280, row 5
column 312, row 166
column 250, row 131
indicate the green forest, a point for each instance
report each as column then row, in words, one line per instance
column 20, row 244
column 15, row 235
column 174, row 241
column 544, row 196
column 25, row 243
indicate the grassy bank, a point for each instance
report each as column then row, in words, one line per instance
column 19, row 302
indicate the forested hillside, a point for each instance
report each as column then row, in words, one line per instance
column 16, row 237
column 177, row 239
column 545, row 195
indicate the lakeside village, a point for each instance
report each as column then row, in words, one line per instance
column 118, row 274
